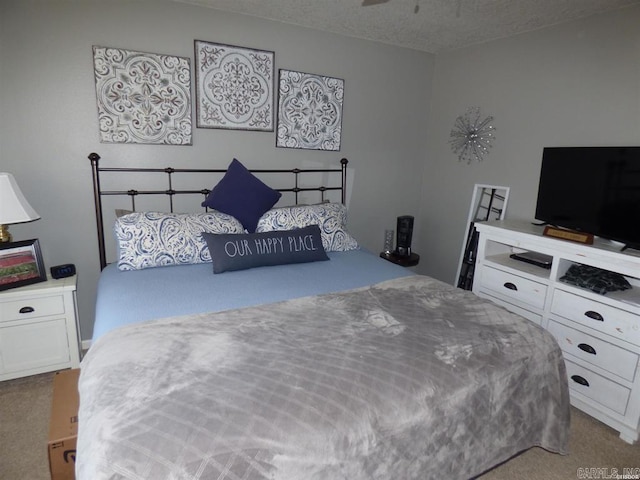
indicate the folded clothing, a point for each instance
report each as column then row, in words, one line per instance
column 595, row 279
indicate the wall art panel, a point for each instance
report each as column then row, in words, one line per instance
column 234, row 87
column 142, row 97
column 309, row 111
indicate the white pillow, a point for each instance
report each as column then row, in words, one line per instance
column 330, row 217
column 154, row 239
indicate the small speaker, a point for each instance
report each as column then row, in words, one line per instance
column 403, row 235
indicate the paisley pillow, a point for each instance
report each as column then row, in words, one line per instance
column 330, row 217
column 153, row 239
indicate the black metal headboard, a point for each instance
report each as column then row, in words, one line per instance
column 98, row 192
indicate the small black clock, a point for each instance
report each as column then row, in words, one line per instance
column 62, row 271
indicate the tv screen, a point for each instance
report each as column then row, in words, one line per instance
column 592, row 189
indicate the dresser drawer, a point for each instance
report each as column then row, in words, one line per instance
column 605, row 355
column 605, row 318
column 31, row 308
column 600, row 389
column 512, row 287
column 531, row 316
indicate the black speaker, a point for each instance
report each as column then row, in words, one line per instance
column 403, row 235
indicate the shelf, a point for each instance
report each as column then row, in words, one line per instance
column 504, row 260
column 630, row 296
column 404, row 261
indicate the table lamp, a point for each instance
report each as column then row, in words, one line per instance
column 14, row 208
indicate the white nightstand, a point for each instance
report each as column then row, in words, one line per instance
column 39, row 328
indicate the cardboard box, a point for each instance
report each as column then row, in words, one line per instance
column 63, row 426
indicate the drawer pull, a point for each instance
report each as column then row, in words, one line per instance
column 510, row 286
column 581, row 380
column 587, row 348
column 27, row 310
column 594, row 315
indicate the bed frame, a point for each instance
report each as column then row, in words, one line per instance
column 170, row 192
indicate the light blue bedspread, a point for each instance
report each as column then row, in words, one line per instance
column 134, row 296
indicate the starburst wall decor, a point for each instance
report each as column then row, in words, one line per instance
column 471, row 137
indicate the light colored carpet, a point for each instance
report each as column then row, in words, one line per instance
column 592, row 444
column 25, row 407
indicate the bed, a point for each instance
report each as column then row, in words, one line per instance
column 340, row 366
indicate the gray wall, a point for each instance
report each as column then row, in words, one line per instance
column 48, row 124
column 573, row 84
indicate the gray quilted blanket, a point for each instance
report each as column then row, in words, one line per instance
column 406, row 379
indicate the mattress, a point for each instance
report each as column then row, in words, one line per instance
column 126, row 297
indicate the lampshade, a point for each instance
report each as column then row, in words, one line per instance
column 14, row 208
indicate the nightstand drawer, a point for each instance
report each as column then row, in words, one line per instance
column 605, row 355
column 605, row 318
column 34, row 344
column 600, row 389
column 32, row 308
column 513, row 287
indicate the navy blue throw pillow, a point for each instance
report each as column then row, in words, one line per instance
column 233, row 251
column 241, row 194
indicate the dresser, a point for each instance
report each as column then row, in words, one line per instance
column 599, row 333
column 39, row 328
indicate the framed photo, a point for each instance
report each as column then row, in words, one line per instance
column 234, row 87
column 142, row 97
column 21, row 264
column 309, row 111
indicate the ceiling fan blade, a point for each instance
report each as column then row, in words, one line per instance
column 367, row 3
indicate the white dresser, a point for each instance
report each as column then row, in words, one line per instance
column 599, row 334
column 39, row 328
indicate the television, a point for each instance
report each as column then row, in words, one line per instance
column 593, row 190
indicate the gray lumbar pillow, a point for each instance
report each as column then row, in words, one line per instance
column 242, row 251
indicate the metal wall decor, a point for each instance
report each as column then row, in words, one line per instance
column 142, row 97
column 234, row 87
column 309, row 111
column 471, row 137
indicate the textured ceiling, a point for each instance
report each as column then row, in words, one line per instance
column 437, row 26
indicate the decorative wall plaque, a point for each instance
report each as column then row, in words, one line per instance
column 234, row 87
column 309, row 111
column 142, row 97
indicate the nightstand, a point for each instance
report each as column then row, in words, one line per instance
column 410, row 261
column 39, row 328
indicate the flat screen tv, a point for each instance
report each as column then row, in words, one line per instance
column 592, row 189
